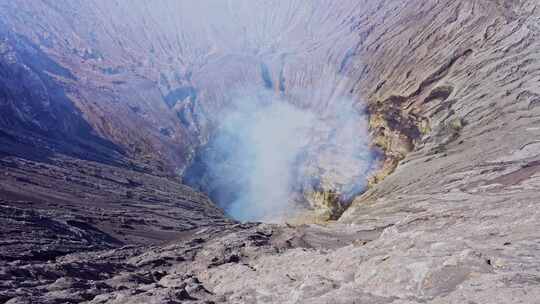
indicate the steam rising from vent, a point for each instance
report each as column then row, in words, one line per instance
column 272, row 136
column 269, row 156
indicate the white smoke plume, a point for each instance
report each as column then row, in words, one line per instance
column 267, row 150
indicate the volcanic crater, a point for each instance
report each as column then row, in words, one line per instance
column 258, row 151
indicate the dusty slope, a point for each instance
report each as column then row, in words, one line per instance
column 453, row 89
column 460, row 213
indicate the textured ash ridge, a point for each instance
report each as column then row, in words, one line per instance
column 452, row 87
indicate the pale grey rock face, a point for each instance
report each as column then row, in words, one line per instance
column 172, row 66
column 456, row 222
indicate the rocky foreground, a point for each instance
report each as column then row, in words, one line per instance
column 95, row 214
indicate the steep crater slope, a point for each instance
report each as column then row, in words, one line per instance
column 157, row 81
column 64, row 187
